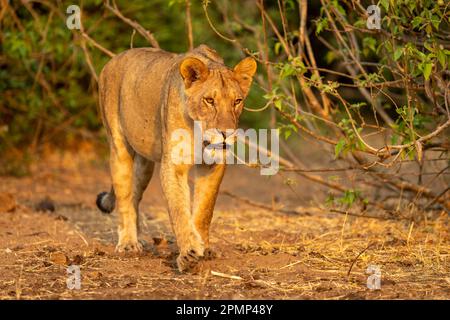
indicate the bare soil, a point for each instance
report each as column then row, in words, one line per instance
column 262, row 254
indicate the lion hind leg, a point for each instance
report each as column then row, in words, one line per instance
column 121, row 163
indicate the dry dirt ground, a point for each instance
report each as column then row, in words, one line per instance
column 262, row 254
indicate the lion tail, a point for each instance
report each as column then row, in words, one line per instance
column 106, row 201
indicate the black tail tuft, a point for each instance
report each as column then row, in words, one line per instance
column 105, row 202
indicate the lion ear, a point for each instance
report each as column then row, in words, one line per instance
column 192, row 69
column 244, row 72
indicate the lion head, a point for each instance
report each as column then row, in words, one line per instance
column 215, row 94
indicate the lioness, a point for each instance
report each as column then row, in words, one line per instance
column 146, row 94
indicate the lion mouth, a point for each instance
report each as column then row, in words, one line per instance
column 216, row 146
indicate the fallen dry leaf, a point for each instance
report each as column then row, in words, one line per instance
column 59, row 258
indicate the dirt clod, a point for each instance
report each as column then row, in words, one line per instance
column 7, row 202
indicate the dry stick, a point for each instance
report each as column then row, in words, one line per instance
column 142, row 31
column 306, row 90
column 4, row 8
column 353, row 262
column 41, row 80
column 304, row 40
column 86, row 52
column 303, row 11
column 349, row 213
column 402, row 185
column 297, row 162
column 306, row 130
column 132, row 39
column 436, row 198
column 261, row 205
column 224, row 275
column 189, row 25
column 289, row 164
column 267, row 18
column 237, row 44
column 39, row 126
column 87, row 56
column 205, row 9
column 335, row 185
column 35, row 16
column 265, row 56
column 430, row 182
column 363, row 91
column 97, row 45
column 282, row 11
column 385, row 151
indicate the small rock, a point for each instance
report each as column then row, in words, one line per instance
column 99, row 252
column 8, row 250
column 46, row 204
column 7, row 202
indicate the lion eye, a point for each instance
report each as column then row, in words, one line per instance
column 237, row 101
column 209, row 100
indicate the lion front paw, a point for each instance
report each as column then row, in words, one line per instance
column 192, row 251
column 129, row 247
column 189, row 260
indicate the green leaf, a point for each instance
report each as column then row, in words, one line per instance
column 321, row 25
column 287, row 134
column 435, row 21
column 277, row 48
column 417, row 21
column 369, row 44
column 278, row 104
column 339, row 147
column 385, row 4
column 398, row 53
column 441, row 57
column 428, row 46
column 330, row 57
column 427, row 70
column 287, row 70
